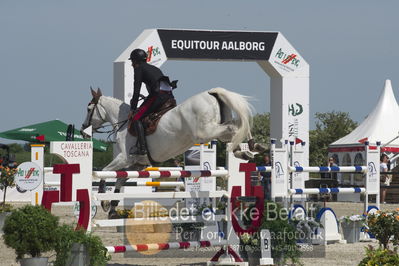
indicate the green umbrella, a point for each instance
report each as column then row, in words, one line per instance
column 54, row 130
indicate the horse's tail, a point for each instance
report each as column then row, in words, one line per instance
column 242, row 109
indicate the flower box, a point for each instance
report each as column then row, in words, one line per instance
column 351, row 231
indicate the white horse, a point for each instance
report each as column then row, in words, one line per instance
column 214, row 114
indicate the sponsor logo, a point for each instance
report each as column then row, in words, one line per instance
column 295, row 110
column 30, row 172
column 287, row 61
column 279, row 169
column 26, row 174
column 372, row 170
column 153, row 53
column 297, row 175
column 293, row 128
column 27, row 129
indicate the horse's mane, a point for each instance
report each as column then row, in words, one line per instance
column 118, row 101
column 115, row 101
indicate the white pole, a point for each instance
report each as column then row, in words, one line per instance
column 37, row 156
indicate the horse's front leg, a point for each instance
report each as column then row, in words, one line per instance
column 120, row 182
column 118, row 163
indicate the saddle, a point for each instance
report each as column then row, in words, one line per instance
column 150, row 122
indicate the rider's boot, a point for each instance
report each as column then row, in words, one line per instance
column 141, row 147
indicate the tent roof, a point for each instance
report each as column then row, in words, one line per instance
column 380, row 125
column 53, row 130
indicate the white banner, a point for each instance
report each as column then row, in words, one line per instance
column 373, row 170
column 279, row 172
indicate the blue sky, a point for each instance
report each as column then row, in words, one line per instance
column 51, row 52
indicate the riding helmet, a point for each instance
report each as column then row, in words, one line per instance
column 138, row 55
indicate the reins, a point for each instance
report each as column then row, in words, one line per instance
column 115, row 126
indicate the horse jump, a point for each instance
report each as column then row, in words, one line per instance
column 282, row 169
column 82, row 185
column 288, row 183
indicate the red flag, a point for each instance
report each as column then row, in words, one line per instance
column 298, row 140
column 363, row 140
column 40, row 138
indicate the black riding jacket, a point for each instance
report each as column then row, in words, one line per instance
column 151, row 76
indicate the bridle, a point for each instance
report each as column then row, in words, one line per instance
column 115, row 126
column 94, row 109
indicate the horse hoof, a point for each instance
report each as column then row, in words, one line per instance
column 251, row 144
column 106, row 205
column 243, row 155
column 260, row 148
column 113, row 215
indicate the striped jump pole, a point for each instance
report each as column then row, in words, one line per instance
column 163, row 169
column 264, row 168
column 132, row 184
column 50, row 169
column 307, row 191
column 165, row 246
column 158, row 174
column 325, row 169
column 157, row 184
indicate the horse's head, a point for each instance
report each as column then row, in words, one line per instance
column 95, row 113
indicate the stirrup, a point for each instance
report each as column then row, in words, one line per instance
column 141, row 151
column 137, row 151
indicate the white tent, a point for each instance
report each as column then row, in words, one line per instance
column 380, row 125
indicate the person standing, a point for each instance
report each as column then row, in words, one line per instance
column 385, row 179
column 332, row 163
column 266, row 178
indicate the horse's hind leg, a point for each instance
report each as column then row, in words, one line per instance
column 224, row 132
column 254, row 146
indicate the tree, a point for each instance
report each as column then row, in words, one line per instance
column 261, row 128
column 330, row 127
column 16, row 148
column 6, row 181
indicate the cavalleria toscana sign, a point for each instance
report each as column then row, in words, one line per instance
column 28, row 176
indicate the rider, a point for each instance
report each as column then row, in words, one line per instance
column 159, row 89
